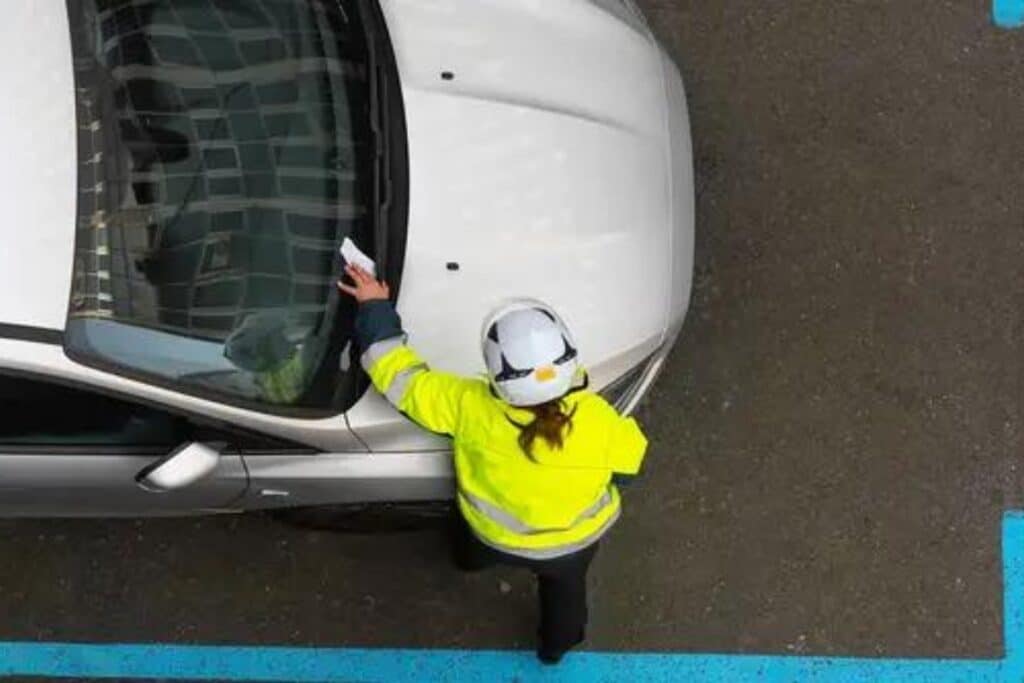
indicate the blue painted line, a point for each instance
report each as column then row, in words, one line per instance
column 396, row 666
column 272, row 664
column 1008, row 13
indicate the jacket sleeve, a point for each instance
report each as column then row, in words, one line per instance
column 627, row 446
column 429, row 398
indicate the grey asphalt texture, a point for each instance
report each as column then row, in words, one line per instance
column 833, row 442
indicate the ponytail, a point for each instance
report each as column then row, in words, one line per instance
column 548, row 423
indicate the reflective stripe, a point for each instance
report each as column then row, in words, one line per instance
column 595, row 509
column 396, row 390
column 380, row 349
column 496, row 514
column 555, row 551
column 499, row 516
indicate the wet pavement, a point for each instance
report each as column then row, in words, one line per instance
column 833, row 442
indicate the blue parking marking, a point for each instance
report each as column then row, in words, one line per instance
column 313, row 664
column 1008, row 13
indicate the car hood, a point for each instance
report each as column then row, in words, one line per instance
column 539, row 164
column 37, row 174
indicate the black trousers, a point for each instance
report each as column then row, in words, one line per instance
column 562, row 586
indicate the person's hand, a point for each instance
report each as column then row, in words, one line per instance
column 367, row 288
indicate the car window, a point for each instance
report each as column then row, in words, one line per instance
column 36, row 412
column 225, row 151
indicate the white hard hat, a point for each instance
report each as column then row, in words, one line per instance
column 530, row 354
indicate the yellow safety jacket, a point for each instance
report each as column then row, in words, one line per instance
column 557, row 505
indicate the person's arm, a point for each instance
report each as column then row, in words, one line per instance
column 428, row 397
column 626, row 446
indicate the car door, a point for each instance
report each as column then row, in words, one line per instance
column 69, row 451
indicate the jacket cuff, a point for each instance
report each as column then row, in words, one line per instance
column 375, row 321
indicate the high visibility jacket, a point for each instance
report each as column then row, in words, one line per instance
column 560, row 501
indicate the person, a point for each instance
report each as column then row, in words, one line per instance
column 534, row 451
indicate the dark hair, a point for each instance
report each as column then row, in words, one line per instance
column 548, row 423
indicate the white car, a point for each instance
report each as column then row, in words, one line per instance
column 178, row 177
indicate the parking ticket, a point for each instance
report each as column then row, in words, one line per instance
column 352, row 254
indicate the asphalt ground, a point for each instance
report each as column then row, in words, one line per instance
column 834, row 439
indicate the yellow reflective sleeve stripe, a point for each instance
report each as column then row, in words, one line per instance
column 400, row 384
column 430, row 398
column 380, row 349
column 385, row 359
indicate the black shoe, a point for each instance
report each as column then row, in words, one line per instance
column 549, row 657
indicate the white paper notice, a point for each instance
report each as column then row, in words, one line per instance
column 350, row 252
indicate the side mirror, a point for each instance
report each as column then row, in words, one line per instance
column 182, row 467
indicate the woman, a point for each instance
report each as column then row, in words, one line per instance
column 534, row 451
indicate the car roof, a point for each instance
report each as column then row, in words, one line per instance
column 37, row 166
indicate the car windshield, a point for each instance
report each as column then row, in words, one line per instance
column 225, row 151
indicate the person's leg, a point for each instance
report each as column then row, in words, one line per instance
column 562, row 588
column 469, row 553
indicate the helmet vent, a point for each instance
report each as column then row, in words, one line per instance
column 508, row 372
column 568, row 355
